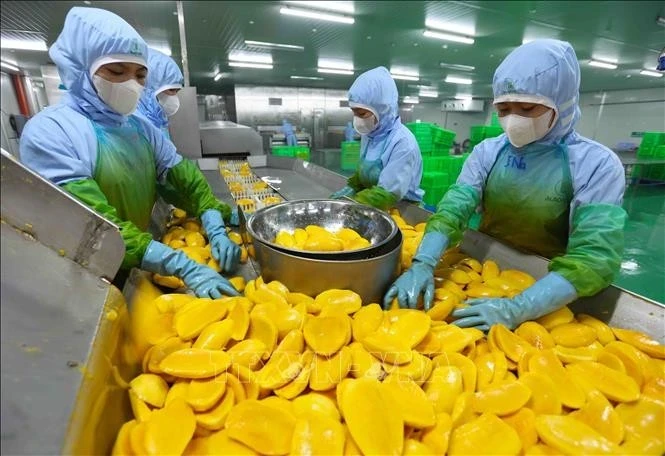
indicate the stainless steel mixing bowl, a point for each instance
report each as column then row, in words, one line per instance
column 369, row 277
column 372, row 224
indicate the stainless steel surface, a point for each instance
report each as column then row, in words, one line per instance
column 372, row 224
column 57, row 220
column 184, row 125
column 614, row 305
column 222, row 137
column 183, row 42
column 313, row 111
column 57, row 349
column 369, row 278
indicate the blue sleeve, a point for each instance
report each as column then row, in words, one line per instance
column 397, row 173
column 166, row 155
column 60, row 145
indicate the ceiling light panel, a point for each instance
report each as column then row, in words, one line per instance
column 456, row 80
column 334, row 71
column 23, row 45
column 456, row 66
column 335, row 64
column 339, row 7
column 250, row 57
column 461, row 29
column 279, row 46
column 316, row 15
column 600, row 64
column 428, row 93
column 411, row 100
column 651, row 73
column 263, row 66
column 310, row 78
column 448, row 37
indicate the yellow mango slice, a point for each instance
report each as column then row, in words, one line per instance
column 248, row 353
column 279, row 370
column 463, row 410
column 194, row 239
column 544, row 398
column 172, row 302
column 387, row 348
column 323, row 243
column 524, row 423
column 317, row 435
column 546, row 362
column 265, row 429
column 300, row 237
column 437, row 437
column 452, row 338
column 443, row 386
column 140, row 409
column 150, row 388
column 465, row 364
column 238, row 283
column 215, row 336
column 558, row 317
column 410, row 325
column 634, row 446
column 610, row 360
column 204, row 394
column 501, row 399
column 261, row 328
column 326, row 335
column 654, row 389
column 315, row 403
column 369, row 414
column 490, row 368
column 576, row 355
column 412, row 402
column 328, row 372
column 521, row 278
column 178, row 390
column 571, row 436
column 643, row 419
column 220, row 443
column 615, row 385
column 285, row 239
column 194, row 316
column 573, row 335
column 168, row 282
column 535, row 334
column 192, row 225
column 347, row 300
column 296, row 386
column 233, row 384
column 169, row 430
column 363, row 364
column 640, row 341
column 214, row 418
column 240, row 318
column 486, row 434
column 603, row 331
column 512, row 345
column 366, row 321
column 442, row 308
column 490, row 270
column 430, row 345
column 418, row 370
column 636, row 363
column 123, row 445
column 195, row 363
column 414, row 447
column 599, row 414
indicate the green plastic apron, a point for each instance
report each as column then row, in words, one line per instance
column 526, row 201
column 126, row 171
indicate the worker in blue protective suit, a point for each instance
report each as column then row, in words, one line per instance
column 92, row 146
column 390, row 165
column 289, row 134
column 349, row 132
column 541, row 187
column 159, row 100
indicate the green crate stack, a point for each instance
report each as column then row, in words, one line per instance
column 283, row 151
column 435, row 164
column 350, row 155
column 435, row 184
column 432, row 140
column 301, row 152
column 652, row 146
column 479, row 133
column 651, row 141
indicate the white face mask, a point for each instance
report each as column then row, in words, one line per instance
column 170, row 103
column 364, row 126
column 525, row 130
column 122, row 97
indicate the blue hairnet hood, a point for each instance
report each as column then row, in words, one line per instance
column 376, row 89
column 164, row 74
column 88, row 34
column 544, row 68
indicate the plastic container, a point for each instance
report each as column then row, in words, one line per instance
column 434, row 194
column 479, row 133
column 284, row 151
column 435, row 164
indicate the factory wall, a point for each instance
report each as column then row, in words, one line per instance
column 610, row 117
column 322, row 113
column 8, row 105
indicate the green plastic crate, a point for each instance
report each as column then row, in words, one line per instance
column 434, row 194
column 479, row 133
column 434, row 163
column 434, row 179
column 350, row 146
column 659, row 151
column 301, row 152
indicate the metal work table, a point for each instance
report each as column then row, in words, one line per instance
column 630, row 160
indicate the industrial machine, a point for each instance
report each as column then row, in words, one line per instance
column 222, row 138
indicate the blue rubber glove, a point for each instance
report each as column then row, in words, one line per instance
column 203, row 281
column 546, row 295
column 224, row 250
column 419, row 278
column 344, row 191
column 235, row 220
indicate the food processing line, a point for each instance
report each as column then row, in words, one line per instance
column 66, row 345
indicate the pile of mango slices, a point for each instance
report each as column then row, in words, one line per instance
column 317, row 238
column 275, row 372
column 187, row 235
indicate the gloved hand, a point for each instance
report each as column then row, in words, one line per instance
column 224, row 250
column 344, row 191
column 546, row 295
column 235, row 220
column 203, row 281
column 419, row 277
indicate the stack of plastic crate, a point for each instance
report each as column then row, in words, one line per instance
column 350, row 155
column 652, row 147
column 479, row 133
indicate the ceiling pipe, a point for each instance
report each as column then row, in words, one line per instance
column 183, row 42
